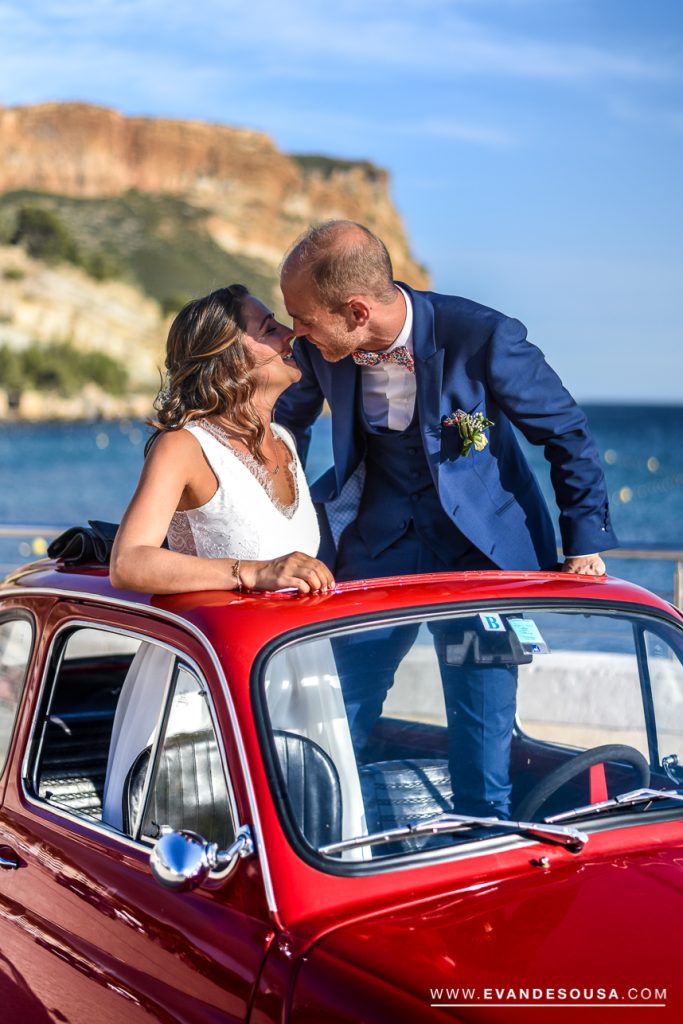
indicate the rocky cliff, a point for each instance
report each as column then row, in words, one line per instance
column 175, row 207
column 258, row 198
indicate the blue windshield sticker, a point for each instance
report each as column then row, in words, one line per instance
column 529, row 635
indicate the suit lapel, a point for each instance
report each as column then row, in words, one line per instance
column 342, row 399
column 428, row 379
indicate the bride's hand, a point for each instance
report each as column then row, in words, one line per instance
column 293, row 570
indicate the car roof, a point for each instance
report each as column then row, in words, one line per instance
column 285, row 610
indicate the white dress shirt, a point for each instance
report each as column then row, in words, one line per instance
column 389, row 388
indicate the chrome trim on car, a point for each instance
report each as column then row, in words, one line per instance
column 176, row 620
column 26, row 615
column 670, row 765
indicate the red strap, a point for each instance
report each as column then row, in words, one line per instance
column 598, row 783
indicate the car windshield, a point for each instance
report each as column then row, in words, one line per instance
column 521, row 714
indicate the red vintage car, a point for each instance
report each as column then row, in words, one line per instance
column 189, row 832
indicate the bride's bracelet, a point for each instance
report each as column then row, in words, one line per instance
column 236, row 572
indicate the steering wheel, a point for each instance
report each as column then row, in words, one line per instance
column 570, row 769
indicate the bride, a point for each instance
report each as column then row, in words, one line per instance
column 221, row 481
column 223, row 484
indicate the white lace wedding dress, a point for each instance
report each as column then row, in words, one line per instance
column 244, row 519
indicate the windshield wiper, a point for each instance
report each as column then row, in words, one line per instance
column 631, row 799
column 570, row 838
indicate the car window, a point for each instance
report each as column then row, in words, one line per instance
column 584, row 689
column 665, row 669
column 374, row 728
column 188, row 788
column 104, row 710
column 16, row 641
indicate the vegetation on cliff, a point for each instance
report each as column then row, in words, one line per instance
column 327, row 166
column 45, row 236
column 59, row 368
column 157, row 242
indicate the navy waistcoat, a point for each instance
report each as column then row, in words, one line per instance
column 399, row 489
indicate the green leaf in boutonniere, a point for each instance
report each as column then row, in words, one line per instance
column 471, row 429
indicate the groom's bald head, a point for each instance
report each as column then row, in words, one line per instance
column 337, row 283
column 339, row 259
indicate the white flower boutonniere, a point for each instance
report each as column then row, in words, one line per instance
column 471, row 429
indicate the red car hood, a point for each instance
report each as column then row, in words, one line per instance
column 600, row 930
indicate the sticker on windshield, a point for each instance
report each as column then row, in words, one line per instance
column 492, row 623
column 529, row 635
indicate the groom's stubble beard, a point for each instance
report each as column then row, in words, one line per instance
column 336, row 341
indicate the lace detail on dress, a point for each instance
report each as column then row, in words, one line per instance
column 257, row 469
column 241, row 520
column 197, row 534
column 180, row 536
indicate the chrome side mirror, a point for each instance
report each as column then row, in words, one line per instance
column 182, row 860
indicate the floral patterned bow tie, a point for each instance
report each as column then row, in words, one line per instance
column 399, row 355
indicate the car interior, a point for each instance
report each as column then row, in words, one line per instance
column 595, row 719
column 179, row 782
column 76, row 732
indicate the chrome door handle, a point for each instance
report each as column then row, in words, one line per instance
column 6, row 862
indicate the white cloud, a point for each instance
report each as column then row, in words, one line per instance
column 448, row 45
column 461, row 131
column 439, row 39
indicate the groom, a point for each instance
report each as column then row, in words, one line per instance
column 397, row 366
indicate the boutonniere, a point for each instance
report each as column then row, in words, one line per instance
column 471, row 429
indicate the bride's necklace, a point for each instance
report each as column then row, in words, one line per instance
column 288, row 478
column 277, row 460
column 261, row 470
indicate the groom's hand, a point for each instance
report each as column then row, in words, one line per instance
column 585, row 565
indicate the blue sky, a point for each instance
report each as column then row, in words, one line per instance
column 535, row 146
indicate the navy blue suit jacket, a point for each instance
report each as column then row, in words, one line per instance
column 473, row 358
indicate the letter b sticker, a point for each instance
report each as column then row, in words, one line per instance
column 492, row 623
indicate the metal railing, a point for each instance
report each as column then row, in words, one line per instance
column 37, row 533
column 645, row 552
column 659, row 552
column 14, row 530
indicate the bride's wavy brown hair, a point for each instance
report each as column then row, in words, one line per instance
column 208, row 369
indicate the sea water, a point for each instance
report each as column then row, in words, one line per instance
column 61, row 474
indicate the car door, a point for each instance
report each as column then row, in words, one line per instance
column 86, row 932
column 17, row 643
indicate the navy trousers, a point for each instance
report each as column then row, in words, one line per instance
column 480, row 700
